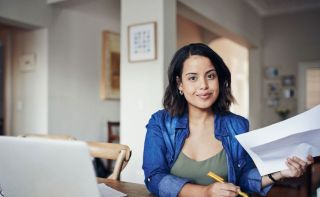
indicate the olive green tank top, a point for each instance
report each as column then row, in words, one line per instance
column 197, row 170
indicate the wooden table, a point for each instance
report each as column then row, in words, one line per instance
column 131, row 189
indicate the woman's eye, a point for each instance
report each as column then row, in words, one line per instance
column 192, row 78
column 211, row 76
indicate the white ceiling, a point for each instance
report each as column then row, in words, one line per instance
column 267, row 7
column 273, row 7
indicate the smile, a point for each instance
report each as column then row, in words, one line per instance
column 205, row 95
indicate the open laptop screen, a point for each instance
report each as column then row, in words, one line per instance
column 45, row 168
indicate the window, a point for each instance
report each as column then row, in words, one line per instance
column 312, row 87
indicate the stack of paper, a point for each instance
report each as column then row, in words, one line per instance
column 269, row 147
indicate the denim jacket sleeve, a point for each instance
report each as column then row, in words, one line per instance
column 158, row 179
column 250, row 178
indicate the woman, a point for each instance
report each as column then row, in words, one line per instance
column 195, row 134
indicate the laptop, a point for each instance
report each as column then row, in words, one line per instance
column 32, row 167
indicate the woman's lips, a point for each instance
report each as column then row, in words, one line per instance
column 204, row 95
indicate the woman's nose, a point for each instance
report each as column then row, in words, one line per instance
column 203, row 83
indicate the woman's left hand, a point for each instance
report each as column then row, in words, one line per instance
column 296, row 167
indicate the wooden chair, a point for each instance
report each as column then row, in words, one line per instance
column 303, row 186
column 118, row 152
column 113, row 137
column 46, row 136
column 113, row 132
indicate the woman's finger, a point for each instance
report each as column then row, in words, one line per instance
column 228, row 193
column 295, row 171
column 293, row 163
column 230, row 187
column 226, row 189
column 310, row 160
column 302, row 164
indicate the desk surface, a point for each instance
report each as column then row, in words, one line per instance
column 137, row 190
column 131, row 189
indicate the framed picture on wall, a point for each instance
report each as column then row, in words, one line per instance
column 288, row 80
column 110, row 67
column 271, row 72
column 142, row 42
column 272, row 92
column 288, row 93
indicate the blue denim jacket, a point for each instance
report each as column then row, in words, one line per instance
column 164, row 141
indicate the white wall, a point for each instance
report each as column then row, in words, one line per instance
column 30, row 88
column 74, row 66
column 26, row 93
column 142, row 83
column 235, row 16
column 75, row 47
column 28, row 13
column 288, row 40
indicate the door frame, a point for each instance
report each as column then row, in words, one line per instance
column 6, row 39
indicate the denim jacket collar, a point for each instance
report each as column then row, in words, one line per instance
column 219, row 127
column 182, row 121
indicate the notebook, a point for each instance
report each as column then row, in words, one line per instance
column 32, row 167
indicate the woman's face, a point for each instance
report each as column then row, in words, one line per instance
column 199, row 82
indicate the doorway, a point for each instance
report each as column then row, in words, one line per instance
column 2, row 90
column 236, row 58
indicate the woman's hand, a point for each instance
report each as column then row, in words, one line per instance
column 222, row 189
column 296, row 167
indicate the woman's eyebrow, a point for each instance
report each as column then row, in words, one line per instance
column 211, row 70
column 191, row 73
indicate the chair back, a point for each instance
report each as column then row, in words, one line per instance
column 118, row 152
column 46, row 136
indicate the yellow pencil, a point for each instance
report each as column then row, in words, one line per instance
column 220, row 179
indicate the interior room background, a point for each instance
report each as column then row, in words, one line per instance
column 59, row 91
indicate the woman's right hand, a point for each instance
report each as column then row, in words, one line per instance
column 222, row 189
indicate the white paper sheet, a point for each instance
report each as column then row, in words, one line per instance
column 269, row 147
column 106, row 191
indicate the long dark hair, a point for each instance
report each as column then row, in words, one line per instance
column 175, row 103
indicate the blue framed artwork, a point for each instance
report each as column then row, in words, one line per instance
column 142, row 42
